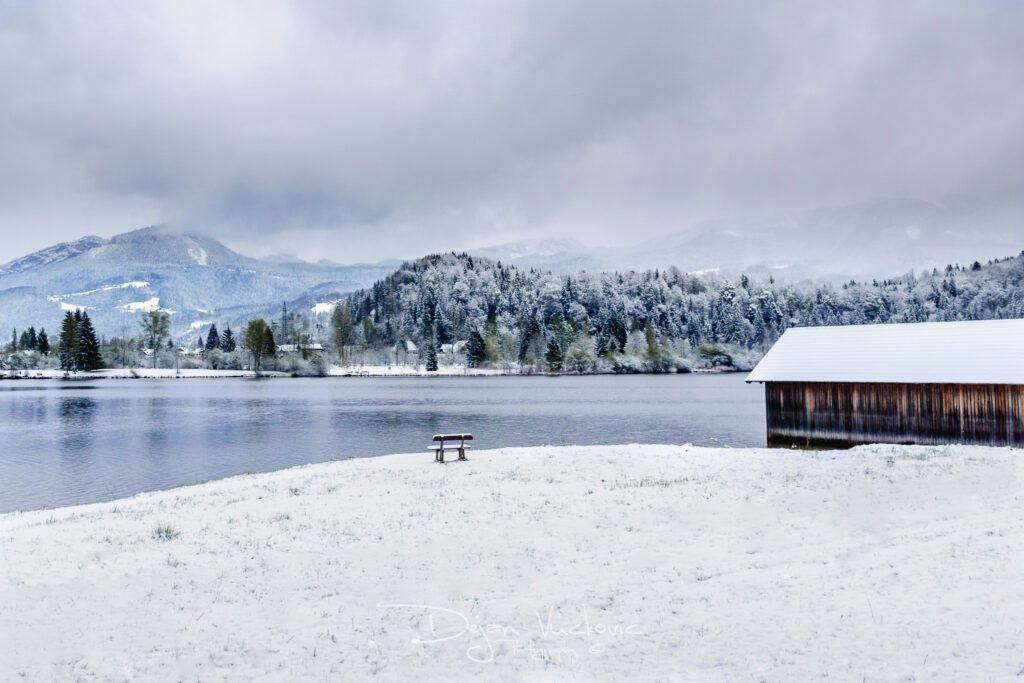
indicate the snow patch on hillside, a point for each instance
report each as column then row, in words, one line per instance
column 198, row 254
column 64, row 306
column 135, row 284
column 324, row 308
column 147, row 306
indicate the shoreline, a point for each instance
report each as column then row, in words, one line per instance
column 587, row 562
column 335, row 372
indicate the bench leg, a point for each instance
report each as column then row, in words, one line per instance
column 440, row 455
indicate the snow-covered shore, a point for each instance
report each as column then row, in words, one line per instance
column 596, row 563
column 136, row 373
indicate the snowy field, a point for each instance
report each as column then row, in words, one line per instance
column 598, row 563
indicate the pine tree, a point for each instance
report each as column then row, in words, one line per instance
column 68, row 343
column 213, row 338
column 476, row 349
column 431, row 353
column 227, row 340
column 553, row 357
column 269, row 347
column 87, row 351
column 33, row 339
column 44, row 342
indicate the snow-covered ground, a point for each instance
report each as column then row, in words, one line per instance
column 599, row 563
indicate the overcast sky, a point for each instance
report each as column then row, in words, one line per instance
column 364, row 130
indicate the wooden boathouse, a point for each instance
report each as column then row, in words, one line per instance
column 924, row 383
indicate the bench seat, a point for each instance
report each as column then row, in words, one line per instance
column 450, row 442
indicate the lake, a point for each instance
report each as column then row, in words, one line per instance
column 65, row 443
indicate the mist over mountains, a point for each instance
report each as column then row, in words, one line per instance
column 197, row 278
column 202, row 281
column 868, row 240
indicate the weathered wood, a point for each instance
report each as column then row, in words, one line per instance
column 442, row 438
column 816, row 414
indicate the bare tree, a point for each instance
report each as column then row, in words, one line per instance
column 156, row 325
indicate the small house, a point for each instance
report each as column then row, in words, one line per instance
column 923, row 383
column 305, row 350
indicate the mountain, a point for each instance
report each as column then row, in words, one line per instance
column 872, row 239
column 556, row 255
column 54, row 254
column 196, row 278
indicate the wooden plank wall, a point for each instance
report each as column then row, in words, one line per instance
column 816, row 414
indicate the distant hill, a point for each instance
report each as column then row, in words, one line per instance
column 872, row 239
column 653, row 320
column 197, row 278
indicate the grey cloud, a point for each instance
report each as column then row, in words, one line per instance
column 355, row 129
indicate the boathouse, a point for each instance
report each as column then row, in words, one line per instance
column 924, row 383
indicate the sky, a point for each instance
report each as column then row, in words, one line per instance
column 364, row 130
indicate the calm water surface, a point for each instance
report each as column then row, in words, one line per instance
column 63, row 443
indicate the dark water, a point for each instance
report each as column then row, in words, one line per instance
column 63, row 443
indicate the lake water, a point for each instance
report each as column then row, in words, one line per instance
column 64, row 443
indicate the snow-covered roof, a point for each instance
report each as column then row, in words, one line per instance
column 973, row 352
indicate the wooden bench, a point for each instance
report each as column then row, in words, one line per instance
column 439, row 447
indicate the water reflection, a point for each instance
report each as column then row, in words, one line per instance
column 77, row 417
column 67, row 443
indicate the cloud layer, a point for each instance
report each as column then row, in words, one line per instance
column 364, row 129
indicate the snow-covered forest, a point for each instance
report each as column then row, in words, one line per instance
column 643, row 321
column 449, row 310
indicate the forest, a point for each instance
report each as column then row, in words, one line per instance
column 652, row 321
column 457, row 309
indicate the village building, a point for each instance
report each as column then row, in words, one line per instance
column 925, row 383
column 304, row 349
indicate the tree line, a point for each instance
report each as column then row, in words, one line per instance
column 495, row 314
column 459, row 309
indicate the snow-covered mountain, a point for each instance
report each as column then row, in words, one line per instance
column 861, row 240
column 874, row 239
column 197, row 278
column 556, row 255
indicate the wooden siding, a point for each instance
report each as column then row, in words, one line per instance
column 812, row 414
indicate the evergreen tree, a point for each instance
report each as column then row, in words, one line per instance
column 68, row 344
column 431, row 353
column 44, row 342
column 227, row 341
column 33, row 339
column 213, row 338
column 553, row 357
column 476, row 350
column 269, row 347
column 87, row 350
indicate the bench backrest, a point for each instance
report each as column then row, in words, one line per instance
column 453, row 437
